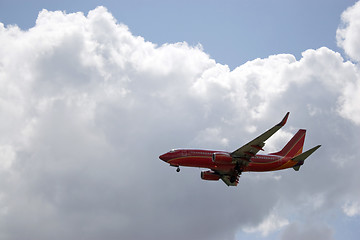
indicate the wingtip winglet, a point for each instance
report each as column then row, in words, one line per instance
column 284, row 120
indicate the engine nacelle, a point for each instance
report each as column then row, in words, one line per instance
column 210, row 176
column 221, row 157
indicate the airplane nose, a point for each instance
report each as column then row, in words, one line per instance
column 163, row 157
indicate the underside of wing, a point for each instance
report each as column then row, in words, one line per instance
column 243, row 155
column 227, row 179
column 230, row 178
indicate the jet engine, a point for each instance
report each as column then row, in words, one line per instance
column 209, row 175
column 221, row 157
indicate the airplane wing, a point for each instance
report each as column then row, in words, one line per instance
column 243, row 154
column 227, row 181
column 230, row 178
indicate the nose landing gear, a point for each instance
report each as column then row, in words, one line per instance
column 178, row 169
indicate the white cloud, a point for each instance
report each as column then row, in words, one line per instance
column 211, row 137
column 7, row 156
column 272, row 223
column 307, row 230
column 351, row 208
column 348, row 33
column 279, row 140
column 86, row 107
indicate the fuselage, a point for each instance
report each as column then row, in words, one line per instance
column 205, row 159
column 228, row 166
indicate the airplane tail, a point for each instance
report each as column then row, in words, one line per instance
column 294, row 147
column 303, row 156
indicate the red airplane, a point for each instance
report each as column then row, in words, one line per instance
column 229, row 165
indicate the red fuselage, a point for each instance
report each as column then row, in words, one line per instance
column 223, row 161
column 228, row 166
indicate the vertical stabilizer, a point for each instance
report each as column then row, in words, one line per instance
column 294, row 147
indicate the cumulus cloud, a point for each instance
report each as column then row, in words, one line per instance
column 349, row 32
column 294, row 231
column 87, row 107
column 351, row 208
column 270, row 224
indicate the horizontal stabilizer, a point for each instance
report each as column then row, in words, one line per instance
column 306, row 154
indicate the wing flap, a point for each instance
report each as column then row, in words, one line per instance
column 227, row 180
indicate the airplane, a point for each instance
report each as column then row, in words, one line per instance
column 228, row 166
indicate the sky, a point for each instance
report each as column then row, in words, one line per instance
column 232, row 32
column 93, row 92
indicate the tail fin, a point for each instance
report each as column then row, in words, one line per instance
column 294, row 147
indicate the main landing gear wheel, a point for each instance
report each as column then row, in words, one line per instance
column 178, row 169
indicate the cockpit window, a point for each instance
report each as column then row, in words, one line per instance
column 172, row 150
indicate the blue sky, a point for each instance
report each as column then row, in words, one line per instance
column 232, row 32
column 91, row 96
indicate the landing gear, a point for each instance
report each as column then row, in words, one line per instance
column 178, row 169
column 237, row 167
column 236, row 174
